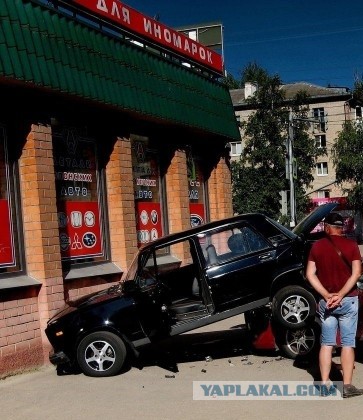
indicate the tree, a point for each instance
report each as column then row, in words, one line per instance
column 305, row 151
column 260, row 174
column 347, row 158
column 231, row 82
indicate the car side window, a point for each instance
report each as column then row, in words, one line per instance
column 223, row 245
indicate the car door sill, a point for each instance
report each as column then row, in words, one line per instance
column 206, row 319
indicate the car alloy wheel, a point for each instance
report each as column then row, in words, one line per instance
column 293, row 307
column 302, row 342
column 101, row 354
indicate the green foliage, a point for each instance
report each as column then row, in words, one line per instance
column 231, row 82
column 254, row 73
column 260, row 174
column 347, row 158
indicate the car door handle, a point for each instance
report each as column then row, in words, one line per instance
column 265, row 256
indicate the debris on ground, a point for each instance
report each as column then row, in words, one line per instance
column 169, row 376
column 203, row 371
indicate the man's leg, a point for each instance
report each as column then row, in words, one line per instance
column 347, row 360
column 325, row 360
column 329, row 327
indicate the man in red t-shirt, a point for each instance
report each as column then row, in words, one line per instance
column 334, row 266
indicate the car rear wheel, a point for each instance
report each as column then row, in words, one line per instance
column 300, row 343
column 101, row 354
column 293, row 307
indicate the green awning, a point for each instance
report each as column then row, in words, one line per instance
column 45, row 48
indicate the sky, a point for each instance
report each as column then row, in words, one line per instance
column 318, row 42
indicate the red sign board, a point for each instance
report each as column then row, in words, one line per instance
column 341, row 201
column 197, row 214
column 6, row 238
column 79, row 229
column 150, row 29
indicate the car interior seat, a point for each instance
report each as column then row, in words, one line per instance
column 236, row 244
column 212, row 254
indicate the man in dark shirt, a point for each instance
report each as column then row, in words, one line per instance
column 334, row 266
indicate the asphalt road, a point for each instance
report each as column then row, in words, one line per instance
column 162, row 387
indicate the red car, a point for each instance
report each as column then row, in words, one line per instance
column 293, row 343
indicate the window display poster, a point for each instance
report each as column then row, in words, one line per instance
column 148, row 222
column 79, row 229
column 6, row 238
column 145, row 167
column 197, row 214
column 196, row 192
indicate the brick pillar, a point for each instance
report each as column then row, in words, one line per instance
column 121, row 204
column 177, row 195
column 220, row 191
column 41, row 236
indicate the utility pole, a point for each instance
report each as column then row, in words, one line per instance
column 290, row 170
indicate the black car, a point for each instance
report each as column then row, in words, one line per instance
column 187, row 280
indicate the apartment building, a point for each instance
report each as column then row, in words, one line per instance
column 329, row 107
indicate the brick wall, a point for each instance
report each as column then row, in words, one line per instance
column 40, row 222
column 20, row 338
column 178, row 199
column 121, row 204
column 220, row 191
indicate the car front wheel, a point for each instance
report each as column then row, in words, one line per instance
column 101, row 354
column 293, row 307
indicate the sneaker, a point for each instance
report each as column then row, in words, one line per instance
column 324, row 390
column 351, row 391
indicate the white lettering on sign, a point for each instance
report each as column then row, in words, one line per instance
column 140, row 24
column 115, row 10
column 73, row 176
column 146, row 182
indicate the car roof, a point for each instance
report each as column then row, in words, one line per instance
column 248, row 217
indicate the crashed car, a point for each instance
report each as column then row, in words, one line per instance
column 187, row 280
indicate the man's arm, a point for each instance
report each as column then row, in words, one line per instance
column 351, row 282
column 315, row 282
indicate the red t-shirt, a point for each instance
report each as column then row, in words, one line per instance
column 331, row 270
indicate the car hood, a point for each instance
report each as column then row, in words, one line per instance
column 97, row 297
column 311, row 220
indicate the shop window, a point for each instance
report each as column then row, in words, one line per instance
column 11, row 243
column 81, row 203
column 197, row 191
column 148, row 190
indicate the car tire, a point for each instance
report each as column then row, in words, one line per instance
column 302, row 343
column 293, row 307
column 101, row 354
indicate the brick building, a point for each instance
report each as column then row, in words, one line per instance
column 105, row 143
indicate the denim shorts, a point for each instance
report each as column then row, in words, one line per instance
column 344, row 316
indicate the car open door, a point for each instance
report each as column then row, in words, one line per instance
column 239, row 267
